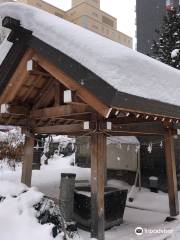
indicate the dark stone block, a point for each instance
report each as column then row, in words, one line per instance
column 115, row 200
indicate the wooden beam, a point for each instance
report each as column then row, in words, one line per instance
column 67, row 81
column 59, row 94
column 18, row 110
column 40, row 73
column 143, row 128
column 17, row 79
column 74, row 129
column 98, row 164
column 59, row 111
column 27, row 160
column 171, row 174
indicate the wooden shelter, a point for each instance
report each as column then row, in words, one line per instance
column 35, row 77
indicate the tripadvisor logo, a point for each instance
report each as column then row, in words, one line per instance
column 139, row 231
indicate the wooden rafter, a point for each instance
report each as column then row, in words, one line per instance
column 81, row 92
column 43, row 94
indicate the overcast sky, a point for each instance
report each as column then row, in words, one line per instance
column 123, row 10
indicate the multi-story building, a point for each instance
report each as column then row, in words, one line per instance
column 87, row 13
column 149, row 16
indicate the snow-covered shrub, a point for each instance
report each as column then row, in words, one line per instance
column 58, row 145
column 28, row 209
column 11, row 147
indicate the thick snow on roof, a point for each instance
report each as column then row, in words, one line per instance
column 4, row 49
column 123, row 68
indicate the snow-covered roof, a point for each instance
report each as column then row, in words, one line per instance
column 124, row 69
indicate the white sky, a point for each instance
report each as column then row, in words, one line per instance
column 123, row 10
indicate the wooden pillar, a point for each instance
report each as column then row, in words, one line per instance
column 98, row 163
column 105, row 159
column 171, row 174
column 27, row 160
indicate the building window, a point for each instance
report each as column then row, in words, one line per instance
column 73, row 13
column 95, row 1
column 95, row 14
column 107, row 21
column 39, row 5
column 95, row 27
column 84, row 22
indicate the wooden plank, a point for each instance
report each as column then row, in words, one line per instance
column 59, row 111
column 98, row 140
column 67, row 81
column 27, row 160
column 171, row 174
column 17, row 79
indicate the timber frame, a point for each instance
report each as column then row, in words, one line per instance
column 36, row 103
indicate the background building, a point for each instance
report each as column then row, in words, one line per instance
column 149, row 16
column 87, row 13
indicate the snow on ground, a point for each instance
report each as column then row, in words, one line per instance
column 17, row 215
column 148, row 210
column 47, row 180
column 116, row 64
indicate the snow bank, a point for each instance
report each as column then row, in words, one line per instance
column 11, row 189
column 17, row 215
column 126, row 70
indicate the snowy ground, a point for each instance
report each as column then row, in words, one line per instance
column 148, row 210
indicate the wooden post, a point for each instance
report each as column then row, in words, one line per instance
column 171, row 174
column 98, row 163
column 105, row 159
column 27, row 160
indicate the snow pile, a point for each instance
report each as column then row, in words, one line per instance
column 124, row 69
column 17, row 215
column 63, row 139
column 11, row 189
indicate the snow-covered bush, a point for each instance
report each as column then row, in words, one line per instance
column 32, row 216
column 58, row 145
column 11, row 147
